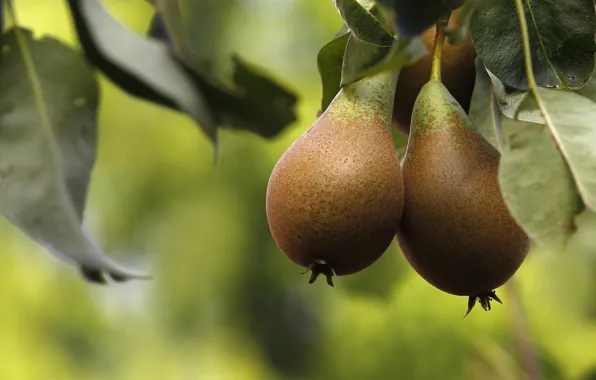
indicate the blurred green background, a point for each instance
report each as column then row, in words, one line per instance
column 225, row 303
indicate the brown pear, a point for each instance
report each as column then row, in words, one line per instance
column 459, row 75
column 456, row 230
column 335, row 197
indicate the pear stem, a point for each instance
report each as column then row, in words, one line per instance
column 435, row 72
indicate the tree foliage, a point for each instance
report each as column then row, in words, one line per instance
column 49, row 97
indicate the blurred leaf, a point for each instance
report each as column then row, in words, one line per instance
column 1, row 16
column 561, row 36
column 329, row 62
column 169, row 13
column 362, row 23
column 158, row 30
column 206, row 24
column 149, row 69
column 484, row 112
column 412, row 18
column 257, row 104
column 537, row 185
column 47, row 148
column 143, row 67
column 583, row 243
column 363, row 59
column 570, row 118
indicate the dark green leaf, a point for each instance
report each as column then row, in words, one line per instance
column 363, row 24
column 205, row 24
column 484, row 112
column 570, row 118
column 47, row 148
column 329, row 62
column 171, row 19
column 143, row 67
column 412, row 18
column 158, row 30
column 537, row 185
column 362, row 59
column 255, row 103
column 561, row 39
column 151, row 70
column 360, row 56
column 258, row 104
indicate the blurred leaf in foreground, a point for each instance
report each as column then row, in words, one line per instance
column 158, row 72
column 141, row 66
column 47, row 148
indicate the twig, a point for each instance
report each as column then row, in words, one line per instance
column 521, row 331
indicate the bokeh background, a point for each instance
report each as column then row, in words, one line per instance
column 225, row 303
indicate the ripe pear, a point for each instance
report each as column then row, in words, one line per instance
column 456, row 231
column 335, row 197
column 459, row 75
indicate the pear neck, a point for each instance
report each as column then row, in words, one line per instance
column 369, row 97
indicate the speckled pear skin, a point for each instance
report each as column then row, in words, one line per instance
column 336, row 194
column 456, row 231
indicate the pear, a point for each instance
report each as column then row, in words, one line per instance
column 335, row 197
column 456, row 231
column 458, row 75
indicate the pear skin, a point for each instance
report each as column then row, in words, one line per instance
column 456, row 231
column 335, row 197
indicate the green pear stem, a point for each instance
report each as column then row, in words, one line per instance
column 435, row 72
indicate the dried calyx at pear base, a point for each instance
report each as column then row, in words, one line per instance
column 335, row 197
column 456, row 231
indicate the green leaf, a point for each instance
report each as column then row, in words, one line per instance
column 248, row 100
column 509, row 100
column 170, row 16
column 536, row 184
column 143, row 67
column 329, row 62
column 412, row 18
column 484, row 112
column 152, row 70
column 561, row 38
column 158, row 30
column 460, row 32
column 47, row 148
column 359, row 57
column 205, row 24
column 362, row 23
column 257, row 104
column 363, row 59
column 570, row 118
column 589, row 89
